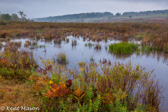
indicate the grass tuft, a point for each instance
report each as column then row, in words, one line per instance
column 62, row 58
column 123, row 48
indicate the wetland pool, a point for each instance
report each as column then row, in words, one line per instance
column 84, row 50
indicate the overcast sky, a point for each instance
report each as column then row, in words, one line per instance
column 45, row 8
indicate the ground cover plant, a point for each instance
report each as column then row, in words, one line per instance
column 120, row 88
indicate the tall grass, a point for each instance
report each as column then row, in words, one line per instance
column 123, row 48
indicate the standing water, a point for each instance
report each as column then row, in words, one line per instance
column 87, row 50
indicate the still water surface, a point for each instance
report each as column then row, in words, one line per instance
column 81, row 52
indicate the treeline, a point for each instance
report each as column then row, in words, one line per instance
column 85, row 15
column 145, row 13
column 97, row 16
column 13, row 17
column 78, row 16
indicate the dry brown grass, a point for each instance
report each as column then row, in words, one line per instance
column 15, row 94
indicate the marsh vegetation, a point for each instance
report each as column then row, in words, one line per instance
column 105, row 65
column 123, row 48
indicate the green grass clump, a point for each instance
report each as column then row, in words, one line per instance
column 123, row 48
column 148, row 49
column 38, row 31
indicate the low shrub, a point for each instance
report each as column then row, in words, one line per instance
column 120, row 88
column 18, row 74
column 16, row 65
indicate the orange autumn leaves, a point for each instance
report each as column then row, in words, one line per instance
column 61, row 90
column 7, row 64
column 3, row 61
column 108, row 98
column 111, row 97
column 79, row 94
column 57, row 91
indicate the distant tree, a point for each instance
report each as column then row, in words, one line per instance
column 15, row 17
column 130, row 16
column 23, row 16
column 5, row 17
column 21, row 13
column 118, row 14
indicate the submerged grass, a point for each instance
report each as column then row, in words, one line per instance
column 123, row 48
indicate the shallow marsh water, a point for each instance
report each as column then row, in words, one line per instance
column 81, row 52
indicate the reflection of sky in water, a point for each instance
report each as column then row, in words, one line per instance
column 80, row 52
